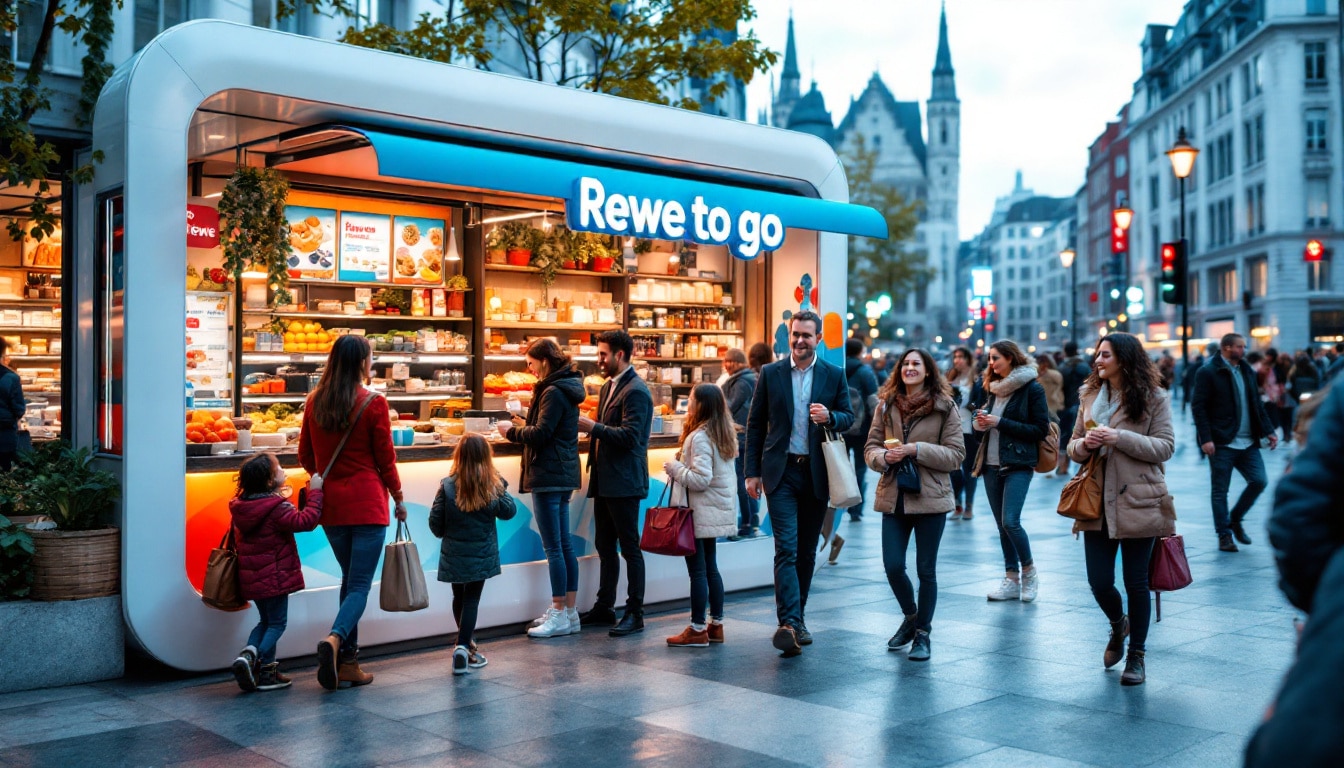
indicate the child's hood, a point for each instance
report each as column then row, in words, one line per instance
column 249, row 513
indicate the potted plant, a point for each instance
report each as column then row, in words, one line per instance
column 81, row 556
column 520, row 240
column 603, row 257
column 457, row 284
column 495, row 252
column 16, row 555
column 561, row 244
column 253, row 232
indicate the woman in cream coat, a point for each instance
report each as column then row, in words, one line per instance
column 1124, row 414
column 704, row 469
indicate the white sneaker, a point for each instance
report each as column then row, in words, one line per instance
column 1009, row 589
column 1030, row 583
column 573, row 615
column 555, row 625
column 537, row 622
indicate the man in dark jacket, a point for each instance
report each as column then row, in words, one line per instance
column 861, row 379
column 1230, row 421
column 796, row 399
column 11, row 410
column 1307, row 531
column 1075, row 371
column 618, row 459
column 737, row 390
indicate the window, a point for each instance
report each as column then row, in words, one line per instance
column 1314, row 55
column 154, row 16
column 1255, row 209
column 109, row 303
column 1257, row 276
column 1253, row 140
column 1221, row 223
column 943, row 130
column 1191, row 232
column 1152, row 143
column 1251, row 84
column 1318, row 201
column 23, row 42
column 1318, row 274
column 1012, row 292
column 1154, row 190
column 1120, row 167
column 1208, row 107
column 395, row 13
column 1011, row 251
column 1315, row 7
column 1316, row 125
column 1224, row 284
column 1192, row 288
column 1012, row 275
column 264, row 14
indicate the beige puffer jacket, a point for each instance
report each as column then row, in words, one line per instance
column 708, row 483
column 1134, row 485
column 939, row 451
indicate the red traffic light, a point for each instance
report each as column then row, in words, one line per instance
column 1119, row 240
column 1315, row 250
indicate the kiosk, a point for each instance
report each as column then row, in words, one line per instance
column 413, row 186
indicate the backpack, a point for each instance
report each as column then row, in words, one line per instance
column 859, row 408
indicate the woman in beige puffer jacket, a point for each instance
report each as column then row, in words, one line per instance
column 1125, row 415
column 704, row 475
column 915, row 407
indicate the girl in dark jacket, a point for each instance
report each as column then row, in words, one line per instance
column 1012, row 422
column 550, row 472
column 464, row 512
column 264, row 524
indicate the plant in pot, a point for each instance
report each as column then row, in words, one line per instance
column 562, row 244
column 16, row 557
column 253, row 233
column 520, row 240
column 603, row 257
column 81, row 556
column 495, row 252
column 457, row 284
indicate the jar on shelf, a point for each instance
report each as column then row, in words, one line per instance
column 660, row 319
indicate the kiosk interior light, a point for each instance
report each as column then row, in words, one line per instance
column 452, row 254
column 214, row 194
column 515, row 216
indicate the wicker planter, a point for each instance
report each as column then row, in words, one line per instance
column 76, row 565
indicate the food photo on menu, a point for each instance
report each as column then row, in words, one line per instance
column 312, row 235
column 418, row 246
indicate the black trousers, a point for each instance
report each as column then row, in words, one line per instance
column 466, row 602
column 618, row 523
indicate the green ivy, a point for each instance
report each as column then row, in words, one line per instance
column 253, row 230
column 16, row 558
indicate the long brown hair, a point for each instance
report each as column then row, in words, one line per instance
column 1012, row 352
column 709, row 409
column 951, row 374
column 933, row 381
column 478, row 482
column 331, row 403
column 545, row 350
column 1140, row 381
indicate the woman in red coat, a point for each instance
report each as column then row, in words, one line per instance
column 358, row 483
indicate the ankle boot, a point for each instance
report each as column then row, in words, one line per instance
column 327, row 651
column 1133, row 674
column 349, row 672
column 1115, row 649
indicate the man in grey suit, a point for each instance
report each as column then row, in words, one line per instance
column 796, row 400
column 618, row 460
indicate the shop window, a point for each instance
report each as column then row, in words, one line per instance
column 154, row 16
column 109, row 315
column 1318, row 202
column 1223, row 284
column 1257, row 276
column 1318, row 274
column 1314, row 60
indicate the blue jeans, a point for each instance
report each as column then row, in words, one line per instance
column 551, row 510
column 357, row 549
column 706, row 583
column 748, row 509
column 1007, row 492
column 274, row 615
column 795, row 516
column 928, row 531
column 855, row 447
column 1252, row 468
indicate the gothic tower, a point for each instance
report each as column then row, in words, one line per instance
column 789, row 81
column 944, row 168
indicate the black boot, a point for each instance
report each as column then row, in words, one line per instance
column 1240, row 533
column 631, row 622
column 920, row 648
column 1115, row 649
column 903, row 635
column 599, row 616
column 1133, row 674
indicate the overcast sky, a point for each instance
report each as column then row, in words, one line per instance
column 1038, row 79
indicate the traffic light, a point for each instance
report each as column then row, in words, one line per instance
column 1173, row 272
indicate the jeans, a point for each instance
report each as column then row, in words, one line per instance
column 855, row 447
column 1007, row 492
column 551, row 511
column 466, row 602
column 706, row 583
column 618, row 521
column 928, row 531
column 796, row 515
column 357, row 549
column 749, row 509
column 274, row 615
column 1099, row 549
column 1248, row 462
column 967, row 481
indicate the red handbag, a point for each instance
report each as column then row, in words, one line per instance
column 1168, row 570
column 668, row 530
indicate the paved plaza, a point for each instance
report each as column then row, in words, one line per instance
column 1009, row 684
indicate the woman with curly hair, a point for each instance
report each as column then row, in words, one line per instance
column 1125, row 416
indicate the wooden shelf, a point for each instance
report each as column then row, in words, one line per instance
column 49, row 303
column 334, row 283
column 21, row 359
column 537, row 270
column 683, row 331
column 404, row 396
column 506, row 325
column 499, row 357
column 56, row 329
column 434, row 358
column 681, row 305
column 710, row 360
column 361, row 316
column 684, row 279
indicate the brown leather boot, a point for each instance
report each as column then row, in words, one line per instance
column 327, row 651
column 349, row 672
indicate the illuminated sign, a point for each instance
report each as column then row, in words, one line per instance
column 982, row 281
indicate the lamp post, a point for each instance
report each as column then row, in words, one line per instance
column 1121, row 217
column 1182, row 156
column 1066, row 258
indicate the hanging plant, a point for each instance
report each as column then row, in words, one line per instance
column 253, row 229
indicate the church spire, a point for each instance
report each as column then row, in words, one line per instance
column 789, row 78
column 944, row 77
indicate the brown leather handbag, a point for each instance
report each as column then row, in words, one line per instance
column 221, row 577
column 1047, row 450
column 1081, row 498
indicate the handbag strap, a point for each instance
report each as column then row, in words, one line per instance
column 403, row 532
column 350, row 428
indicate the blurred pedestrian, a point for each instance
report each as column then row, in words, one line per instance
column 862, row 400
column 1053, row 383
column 738, row 389
column 968, row 393
column 12, row 409
column 1075, row 371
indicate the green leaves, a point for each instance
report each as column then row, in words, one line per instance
column 16, row 557
column 253, row 230
column 60, row 482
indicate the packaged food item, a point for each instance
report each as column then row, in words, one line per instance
column 440, row 303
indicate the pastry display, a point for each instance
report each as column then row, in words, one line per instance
column 410, row 234
column 307, row 235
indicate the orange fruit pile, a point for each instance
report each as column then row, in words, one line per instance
column 210, row 427
column 304, row 336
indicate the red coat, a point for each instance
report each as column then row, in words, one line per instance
column 263, row 532
column 366, row 471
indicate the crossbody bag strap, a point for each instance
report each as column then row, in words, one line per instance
column 351, row 428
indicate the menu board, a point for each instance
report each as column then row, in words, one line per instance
column 366, row 240
column 418, row 251
column 312, row 234
column 208, row 348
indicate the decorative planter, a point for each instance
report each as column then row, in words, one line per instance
column 76, row 565
column 569, row 264
column 603, row 263
column 456, row 303
column 519, row 257
column 496, row 256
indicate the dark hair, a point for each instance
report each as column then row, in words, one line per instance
column 807, row 316
column 257, row 475
column 1045, row 363
column 1009, row 350
column 618, row 341
column 894, row 385
column 853, row 347
column 330, row 405
column 1070, row 348
column 1140, row 379
column 547, row 351
column 4, row 346
column 759, row 355
column 1229, row 339
column 1254, row 357
column 735, row 355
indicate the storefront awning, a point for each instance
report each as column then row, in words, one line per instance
column 648, row 210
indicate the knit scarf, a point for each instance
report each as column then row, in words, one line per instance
column 1016, row 379
column 914, row 406
column 1103, row 408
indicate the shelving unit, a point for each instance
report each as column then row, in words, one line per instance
column 683, row 305
column 507, row 325
column 429, row 358
column 404, row 396
column 55, row 330
column 359, row 317
column 682, row 278
column 537, row 270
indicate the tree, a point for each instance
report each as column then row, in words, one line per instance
column 890, row 266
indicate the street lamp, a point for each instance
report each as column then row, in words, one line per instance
column 1066, row 258
column 1182, row 156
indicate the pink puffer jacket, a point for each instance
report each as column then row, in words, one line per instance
column 263, row 532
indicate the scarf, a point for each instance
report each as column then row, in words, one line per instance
column 1103, row 408
column 914, row 406
column 1016, row 379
